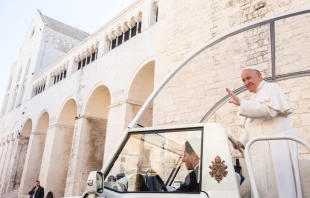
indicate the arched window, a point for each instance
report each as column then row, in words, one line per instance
column 10, row 82
column 129, row 29
column 139, row 24
column 32, row 32
column 82, row 63
column 14, row 98
column 27, row 67
column 154, row 13
column 4, row 105
column 21, row 94
column 19, row 73
column 60, row 76
column 127, row 32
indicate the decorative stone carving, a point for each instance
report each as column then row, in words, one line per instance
column 124, row 25
column 218, row 169
column 86, row 51
column 259, row 5
column 60, row 68
column 40, row 82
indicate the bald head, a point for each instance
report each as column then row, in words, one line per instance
column 251, row 79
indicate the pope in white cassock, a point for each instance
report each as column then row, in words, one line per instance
column 275, row 163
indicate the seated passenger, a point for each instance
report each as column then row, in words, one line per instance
column 136, row 183
column 154, row 182
column 111, row 178
column 191, row 159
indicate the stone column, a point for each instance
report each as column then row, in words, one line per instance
column 3, row 158
column 49, row 81
column 3, row 152
column 33, row 162
column 55, row 162
column 86, row 153
column 123, row 32
column 115, row 128
column 129, row 26
column 17, row 164
column 120, row 116
column 72, row 66
column 7, row 169
column 132, row 109
column 110, row 47
column 116, row 44
column 137, row 20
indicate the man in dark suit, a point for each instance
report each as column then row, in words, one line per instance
column 191, row 159
column 37, row 191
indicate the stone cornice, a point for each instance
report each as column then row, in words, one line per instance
column 131, row 102
column 90, row 117
column 60, row 126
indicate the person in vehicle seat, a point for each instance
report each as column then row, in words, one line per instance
column 154, row 182
column 111, row 178
column 191, row 159
column 275, row 163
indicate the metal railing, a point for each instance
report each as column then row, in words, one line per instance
column 266, row 138
column 234, row 142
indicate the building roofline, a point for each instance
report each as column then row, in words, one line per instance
column 91, row 36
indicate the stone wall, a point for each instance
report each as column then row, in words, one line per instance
column 202, row 82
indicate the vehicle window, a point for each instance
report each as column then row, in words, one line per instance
column 158, row 162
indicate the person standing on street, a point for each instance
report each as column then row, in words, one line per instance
column 37, row 191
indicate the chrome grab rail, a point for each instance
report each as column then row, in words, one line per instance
column 248, row 160
column 234, row 142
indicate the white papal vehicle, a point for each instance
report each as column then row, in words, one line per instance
column 147, row 162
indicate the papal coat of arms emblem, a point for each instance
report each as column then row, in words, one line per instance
column 218, row 169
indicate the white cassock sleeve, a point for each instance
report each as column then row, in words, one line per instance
column 244, row 137
column 256, row 110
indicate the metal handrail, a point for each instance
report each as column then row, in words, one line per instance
column 248, row 160
column 234, row 142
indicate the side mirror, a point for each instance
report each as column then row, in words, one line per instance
column 95, row 182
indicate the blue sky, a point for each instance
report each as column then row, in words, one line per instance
column 16, row 17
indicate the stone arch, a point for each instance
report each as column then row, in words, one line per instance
column 139, row 15
column 8, row 174
column 92, row 127
column 58, row 154
column 42, row 122
column 27, row 128
column 21, row 151
column 4, row 151
column 98, row 102
column 32, row 167
column 68, row 113
column 140, row 87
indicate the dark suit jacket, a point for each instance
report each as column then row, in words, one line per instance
column 39, row 193
column 190, row 184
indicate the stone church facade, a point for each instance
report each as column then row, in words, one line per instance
column 71, row 95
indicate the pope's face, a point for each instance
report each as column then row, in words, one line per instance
column 251, row 79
